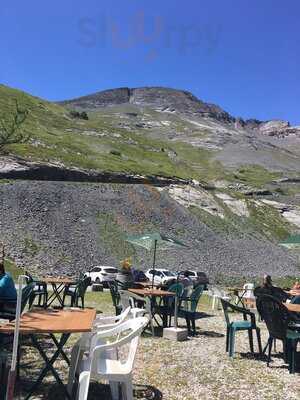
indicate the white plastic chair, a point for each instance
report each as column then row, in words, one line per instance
column 248, row 296
column 139, row 312
column 99, row 366
column 249, row 291
column 216, row 295
column 83, row 344
column 126, row 301
column 110, row 321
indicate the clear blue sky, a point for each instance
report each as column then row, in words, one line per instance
column 243, row 55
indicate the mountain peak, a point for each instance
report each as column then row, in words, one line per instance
column 158, row 98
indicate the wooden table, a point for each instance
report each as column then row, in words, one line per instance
column 50, row 322
column 58, row 285
column 152, row 292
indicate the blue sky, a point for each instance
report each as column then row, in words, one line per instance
column 243, row 55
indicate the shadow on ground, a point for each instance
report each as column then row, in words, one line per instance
column 274, row 356
column 97, row 391
column 210, row 334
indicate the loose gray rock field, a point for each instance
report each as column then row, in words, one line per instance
column 65, row 228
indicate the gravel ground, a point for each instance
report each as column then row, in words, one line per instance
column 194, row 369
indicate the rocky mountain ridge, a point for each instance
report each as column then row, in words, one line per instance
column 177, row 101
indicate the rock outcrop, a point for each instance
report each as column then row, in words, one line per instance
column 16, row 168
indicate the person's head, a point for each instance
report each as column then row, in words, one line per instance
column 267, row 281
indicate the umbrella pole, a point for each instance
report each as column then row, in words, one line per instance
column 12, row 372
column 154, row 261
column 176, row 304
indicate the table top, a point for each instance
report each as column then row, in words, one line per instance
column 54, row 321
column 293, row 307
column 144, row 284
column 152, row 292
column 235, row 289
column 66, row 280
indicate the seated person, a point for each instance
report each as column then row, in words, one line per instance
column 268, row 288
column 296, row 299
column 187, row 281
column 8, row 293
column 277, row 292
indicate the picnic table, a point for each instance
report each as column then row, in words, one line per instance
column 51, row 322
column 58, row 285
column 154, row 294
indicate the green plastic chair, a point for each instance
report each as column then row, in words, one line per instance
column 188, row 308
column 78, row 292
column 39, row 291
column 115, row 296
column 247, row 324
column 282, row 325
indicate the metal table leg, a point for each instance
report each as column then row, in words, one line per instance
column 239, row 298
column 57, row 290
column 49, row 363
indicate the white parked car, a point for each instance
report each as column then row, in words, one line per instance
column 102, row 274
column 161, row 276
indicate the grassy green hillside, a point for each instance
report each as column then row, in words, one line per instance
column 94, row 144
column 98, row 144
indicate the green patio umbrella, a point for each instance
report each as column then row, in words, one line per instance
column 154, row 241
column 292, row 242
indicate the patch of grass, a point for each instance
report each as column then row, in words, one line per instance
column 255, row 175
column 101, row 301
column 268, row 221
column 225, row 226
column 263, row 220
column 286, row 281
